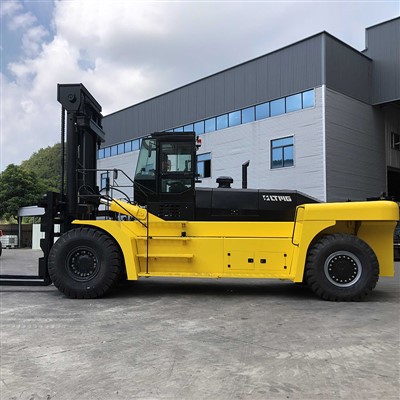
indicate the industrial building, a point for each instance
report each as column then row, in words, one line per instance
column 318, row 116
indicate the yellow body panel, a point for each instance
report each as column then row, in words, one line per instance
column 245, row 249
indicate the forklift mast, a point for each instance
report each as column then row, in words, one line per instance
column 79, row 197
column 84, row 136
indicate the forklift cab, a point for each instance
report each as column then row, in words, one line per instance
column 165, row 175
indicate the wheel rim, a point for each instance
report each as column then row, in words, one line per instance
column 343, row 269
column 82, row 264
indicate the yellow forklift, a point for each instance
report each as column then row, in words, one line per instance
column 173, row 229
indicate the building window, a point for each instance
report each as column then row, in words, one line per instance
column 248, row 115
column 199, row 127
column 282, row 152
column 235, row 118
column 209, row 125
column 188, row 128
column 204, row 165
column 308, row 99
column 128, row 146
column 121, row 148
column 222, row 121
column 136, row 144
column 293, row 103
column 114, row 150
column 395, row 141
column 243, row 116
column 262, row 111
column 277, row 107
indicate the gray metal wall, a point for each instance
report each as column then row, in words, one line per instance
column 283, row 72
column 383, row 46
column 355, row 149
column 392, row 124
column 320, row 59
column 347, row 70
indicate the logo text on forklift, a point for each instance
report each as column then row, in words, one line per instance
column 270, row 197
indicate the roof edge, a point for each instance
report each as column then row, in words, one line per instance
column 382, row 23
column 322, row 33
column 223, row 70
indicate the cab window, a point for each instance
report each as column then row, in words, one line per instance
column 146, row 166
column 176, row 165
column 176, row 157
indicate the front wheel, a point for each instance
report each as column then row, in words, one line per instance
column 85, row 263
column 341, row 267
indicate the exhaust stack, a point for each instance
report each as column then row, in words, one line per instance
column 244, row 174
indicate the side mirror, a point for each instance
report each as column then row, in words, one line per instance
column 115, row 174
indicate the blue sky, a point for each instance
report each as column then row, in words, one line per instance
column 128, row 51
column 41, row 12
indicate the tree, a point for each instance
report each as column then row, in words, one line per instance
column 18, row 188
column 46, row 164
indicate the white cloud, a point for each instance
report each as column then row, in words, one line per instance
column 9, row 8
column 22, row 21
column 32, row 40
column 127, row 51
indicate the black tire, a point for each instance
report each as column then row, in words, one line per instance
column 341, row 267
column 85, row 263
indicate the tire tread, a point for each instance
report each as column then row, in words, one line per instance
column 113, row 267
column 312, row 272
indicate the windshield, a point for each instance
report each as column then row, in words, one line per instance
column 146, row 165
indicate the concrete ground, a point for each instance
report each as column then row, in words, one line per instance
column 197, row 339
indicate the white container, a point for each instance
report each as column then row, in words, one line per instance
column 9, row 241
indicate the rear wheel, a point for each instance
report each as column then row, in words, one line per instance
column 341, row 267
column 85, row 263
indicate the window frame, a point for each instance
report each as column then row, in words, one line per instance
column 282, row 147
column 103, row 179
column 204, row 160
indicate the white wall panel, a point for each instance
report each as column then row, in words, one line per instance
column 233, row 146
